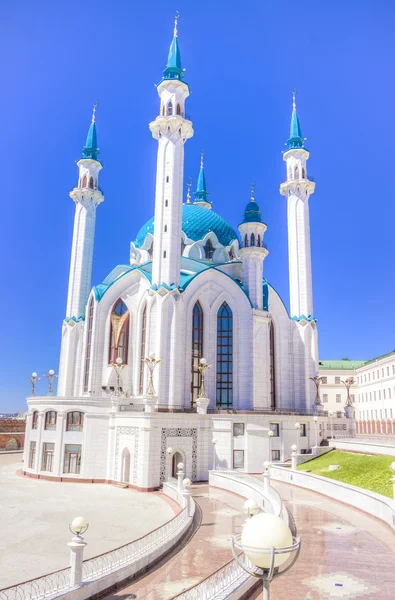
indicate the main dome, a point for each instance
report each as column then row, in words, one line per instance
column 197, row 221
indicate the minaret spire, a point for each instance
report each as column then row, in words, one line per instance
column 201, row 193
column 296, row 139
column 90, row 149
column 175, row 32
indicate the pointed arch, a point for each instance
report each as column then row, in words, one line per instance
column 119, row 333
column 142, row 349
column 178, row 109
column 91, row 184
column 170, row 109
column 296, row 172
column 197, row 349
column 224, row 356
column 209, row 250
column 88, row 345
column 246, row 241
column 272, row 367
column 303, row 173
column 252, row 242
column 258, row 241
column 84, row 181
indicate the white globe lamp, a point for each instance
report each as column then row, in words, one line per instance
column 251, row 507
column 260, row 534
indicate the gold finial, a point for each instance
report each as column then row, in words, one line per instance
column 175, row 33
column 252, row 192
column 202, row 159
column 189, row 190
column 94, row 112
column 294, row 99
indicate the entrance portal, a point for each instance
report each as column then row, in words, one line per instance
column 177, row 458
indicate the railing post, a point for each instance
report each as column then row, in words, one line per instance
column 180, row 476
column 294, row 460
column 76, row 546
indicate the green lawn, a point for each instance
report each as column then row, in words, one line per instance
column 363, row 470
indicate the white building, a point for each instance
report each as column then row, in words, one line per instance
column 333, row 391
column 193, row 289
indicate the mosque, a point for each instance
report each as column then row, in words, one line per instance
column 194, row 289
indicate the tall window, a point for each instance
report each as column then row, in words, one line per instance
column 91, row 183
column 35, row 419
column 88, row 345
column 197, row 349
column 50, row 419
column 72, row 458
column 209, row 249
column 246, row 241
column 169, row 109
column 296, row 172
column 119, row 334
column 142, row 349
column 258, row 241
column 272, row 368
column 47, row 457
column 75, row 421
column 84, row 181
column 178, row 109
column 224, row 356
column 32, row 454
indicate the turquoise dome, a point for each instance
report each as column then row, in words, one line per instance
column 252, row 213
column 197, row 221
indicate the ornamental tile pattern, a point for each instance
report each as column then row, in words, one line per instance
column 133, row 432
column 167, row 432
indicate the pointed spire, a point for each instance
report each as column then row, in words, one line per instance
column 90, row 149
column 252, row 199
column 173, row 68
column 189, row 184
column 201, row 193
column 296, row 139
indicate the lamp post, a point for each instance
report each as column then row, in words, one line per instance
column 348, row 408
column 169, row 452
column 267, row 542
column 294, row 460
column 317, row 402
column 297, row 427
column 392, row 466
column 51, row 378
column 315, row 419
column 202, row 368
column 34, row 379
column 270, row 433
column 180, row 475
column 214, row 442
column 266, row 475
column 151, row 363
column 77, row 527
column 331, row 420
column 118, row 368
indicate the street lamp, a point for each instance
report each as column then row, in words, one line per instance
column 270, row 433
column 266, row 475
column 51, row 378
column 317, row 381
column 267, row 542
column 331, row 420
column 297, row 427
column 214, row 442
column 118, row 368
column 202, row 368
column 294, row 462
column 151, row 363
column 251, row 508
column 315, row 419
column 180, row 475
column 78, row 526
column 34, row 379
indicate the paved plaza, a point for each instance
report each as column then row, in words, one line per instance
column 35, row 515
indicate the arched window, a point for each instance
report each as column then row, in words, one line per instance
column 151, row 250
column 246, row 241
column 197, row 349
column 169, row 109
column 91, row 183
column 183, row 244
column 88, row 345
column 142, row 349
column 50, row 419
column 166, row 203
column 178, row 109
column 231, row 253
column 258, row 241
column 252, row 239
column 84, row 181
column 35, row 419
column 209, row 249
column 75, row 421
column 163, row 110
column 296, row 172
column 303, row 173
column 224, row 356
column 119, row 334
column 272, row 368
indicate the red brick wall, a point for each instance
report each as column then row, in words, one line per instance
column 12, row 429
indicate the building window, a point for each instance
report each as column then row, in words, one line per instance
column 246, row 241
column 337, row 380
column 379, row 394
column 50, row 419
column 169, row 109
column 272, row 367
column 373, row 377
column 389, row 392
column 338, row 398
column 142, row 348
column 164, row 253
column 388, row 371
column 258, row 241
column 47, row 458
column 166, row 203
column 231, row 253
column 275, row 428
column 393, row 369
column 378, row 374
column 91, row 183
column 303, row 173
column 352, row 398
column 382, row 372
column 325, row 398
column 209, row 249
column 35, row 420
column 275, row 455
column 324, row 380
column 32, row 454
column 75, row 421
column 252, row 239
column 224, row 356
column 303, row 430
column 119, row 333
column 178, row 109
column 383, row 394
column 88, row 345
column 238, row 429
column 197, row 349
column 72, row 459
column 238, row 459
column 84, row 181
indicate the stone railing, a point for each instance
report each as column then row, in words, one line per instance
column 110, row 568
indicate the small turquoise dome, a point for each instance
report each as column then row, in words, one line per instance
column 252, row 213
column 197, row 221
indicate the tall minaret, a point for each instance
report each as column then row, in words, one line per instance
column 86, row 196
column 171, row 128
column 298, row 188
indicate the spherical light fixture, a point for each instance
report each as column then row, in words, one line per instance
column 297, row 425
column 169, row 450
column 152, row 356
column 186, row 483
column 294, row 447
column 203, row 361
column 119, row 360
column 51, row 372
column 267, row 465
column 214, row 441
column 180, row 466
column 34, row 375
column 251, row 507
column 270, row 433
column 315, row 419
column 260, row 534
column 78, row 526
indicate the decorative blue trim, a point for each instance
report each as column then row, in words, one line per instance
column 101, row 289
column 304, row 318
column 67, row 319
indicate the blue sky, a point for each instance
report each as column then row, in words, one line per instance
column 242, row 62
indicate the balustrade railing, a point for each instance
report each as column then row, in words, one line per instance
column 41, row 587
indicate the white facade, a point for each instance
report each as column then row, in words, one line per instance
column 333, row 392
column 192, row 290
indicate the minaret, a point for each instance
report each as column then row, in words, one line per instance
column 86, row 196
column 171, row 128
column 201, row 194
column 252, row 251
column 298, row 188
